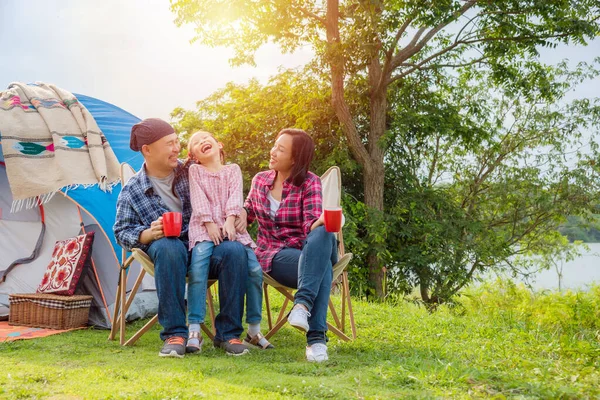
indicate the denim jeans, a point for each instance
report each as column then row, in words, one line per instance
column 198, row 281
column 311, row 271
column 170, row 257
column 228, row 264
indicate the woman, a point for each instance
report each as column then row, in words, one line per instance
column 293, row 245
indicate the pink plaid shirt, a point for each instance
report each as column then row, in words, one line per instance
column 214, row 197
column 300, row 207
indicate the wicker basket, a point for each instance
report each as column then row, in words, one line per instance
column 42, row 310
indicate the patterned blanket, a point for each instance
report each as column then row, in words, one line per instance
column 50, row 141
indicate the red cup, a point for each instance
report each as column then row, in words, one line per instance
column 172, row 224
column 333, row 219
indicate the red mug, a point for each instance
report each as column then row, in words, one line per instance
column 333, row 219
column 172, row 224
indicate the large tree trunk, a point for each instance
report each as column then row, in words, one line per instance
column 374, row 177
column 371, row 156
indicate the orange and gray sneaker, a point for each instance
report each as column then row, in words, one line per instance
column 173, row 347
column 233, row 347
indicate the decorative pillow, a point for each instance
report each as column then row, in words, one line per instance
column 68, row 261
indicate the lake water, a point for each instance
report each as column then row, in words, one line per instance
column 577, row 274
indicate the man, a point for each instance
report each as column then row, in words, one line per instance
column 161, row 186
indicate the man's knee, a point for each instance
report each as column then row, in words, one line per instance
column 169, row 250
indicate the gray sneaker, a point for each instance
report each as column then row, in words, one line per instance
column 233, row 347
column 298, row 318
column 173, row 347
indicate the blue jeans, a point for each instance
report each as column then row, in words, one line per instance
column 228, row 264
column 198, row 281
column 311, row 271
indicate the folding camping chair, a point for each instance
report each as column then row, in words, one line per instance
column 124, row 302
column 332, row 188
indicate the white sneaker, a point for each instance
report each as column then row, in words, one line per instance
column 317, row 352
column 298, row 318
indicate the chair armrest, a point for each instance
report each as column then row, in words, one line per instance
column 144, row 260
column 341, row 265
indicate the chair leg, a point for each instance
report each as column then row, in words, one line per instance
column 123, row 295
column 344, row 294
column 282, row 317
column 144, row 329
column 136, row 286
column 334, row 315
column 283, row 310
column 268, row 304
column 209, row 333
column 211, row 312
column 114, row 325
column 276, row 328
column 349, row 301
column 338, row 333
column 126, row 302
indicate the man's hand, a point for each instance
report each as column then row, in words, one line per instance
column 241, row 222
column 229, row 228
column 213, row 233
column 153, row 233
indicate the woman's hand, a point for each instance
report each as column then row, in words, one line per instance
column 320, row 221
column 241, row 222
column 213, row 232
column 229, row 228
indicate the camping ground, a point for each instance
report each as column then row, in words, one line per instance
column 500, row 341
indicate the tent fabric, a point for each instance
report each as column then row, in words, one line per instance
column 64, row 215
column 116, row 125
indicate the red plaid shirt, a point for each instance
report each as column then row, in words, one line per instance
column 300, row 207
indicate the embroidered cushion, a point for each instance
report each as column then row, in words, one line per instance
column 68, row 261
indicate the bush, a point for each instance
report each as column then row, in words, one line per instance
column 573, row 313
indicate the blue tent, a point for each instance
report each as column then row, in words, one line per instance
column 64, row 215
column 116, row 125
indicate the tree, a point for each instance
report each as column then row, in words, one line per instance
column 486, row 177
column 247, row 118
column 374, row 47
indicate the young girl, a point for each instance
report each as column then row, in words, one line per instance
column 216, row 196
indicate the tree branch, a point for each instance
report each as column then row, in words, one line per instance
column 312, row 15
column 413, row 49
column 390, row 52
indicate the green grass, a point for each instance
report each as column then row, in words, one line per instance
column 502, row 342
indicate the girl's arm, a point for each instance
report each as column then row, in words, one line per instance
column 236, row 194
column 200, row 204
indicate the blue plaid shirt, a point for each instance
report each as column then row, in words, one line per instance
column 138, row 205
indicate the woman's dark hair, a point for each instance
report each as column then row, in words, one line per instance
column 303, row 150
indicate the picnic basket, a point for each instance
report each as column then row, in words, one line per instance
column 41, row 310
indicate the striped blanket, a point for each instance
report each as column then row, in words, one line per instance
column 50, row 141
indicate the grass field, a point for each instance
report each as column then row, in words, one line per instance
column 501, row 342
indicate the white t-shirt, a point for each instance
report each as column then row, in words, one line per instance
column 274, row 205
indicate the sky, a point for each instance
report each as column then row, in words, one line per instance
column 131, row 54
column 128, row 53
